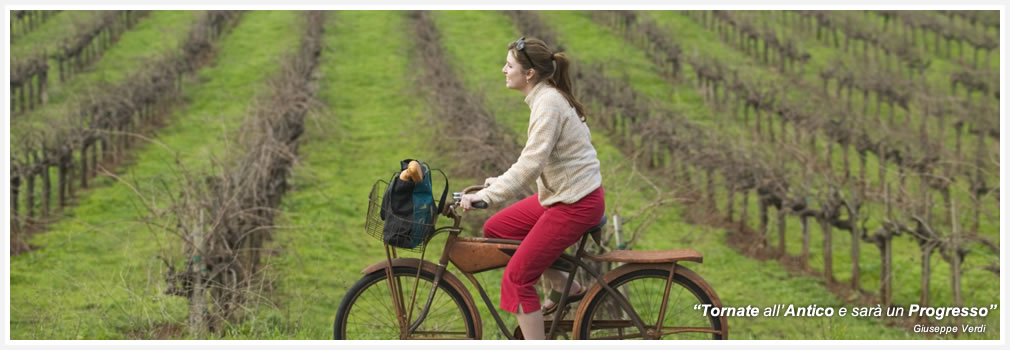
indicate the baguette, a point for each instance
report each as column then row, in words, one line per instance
column 413, row 172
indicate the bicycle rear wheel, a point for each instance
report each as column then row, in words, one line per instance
column 367, row 310
column 604, row 318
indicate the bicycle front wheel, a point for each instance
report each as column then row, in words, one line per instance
column 605, row 319
column 368, row 312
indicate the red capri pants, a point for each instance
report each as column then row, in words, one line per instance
column 545, row 233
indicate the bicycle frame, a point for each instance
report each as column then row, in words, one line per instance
column 574, row 262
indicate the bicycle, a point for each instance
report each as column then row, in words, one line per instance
column 377, row 307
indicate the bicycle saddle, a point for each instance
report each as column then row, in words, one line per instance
column 603, row 222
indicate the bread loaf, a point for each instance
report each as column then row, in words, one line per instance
column 413, row 172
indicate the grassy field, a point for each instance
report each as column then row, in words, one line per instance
column 979, row 287
column 371, row 120
column 587, row 41
column 938, row 77
column 156, row 34
column 97, row 275
column 48, row 36
column 159, row 33
column 978, row 284
column 323, row 248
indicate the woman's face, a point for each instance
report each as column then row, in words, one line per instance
column 515, row 76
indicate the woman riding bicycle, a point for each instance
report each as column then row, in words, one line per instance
column 559, row 155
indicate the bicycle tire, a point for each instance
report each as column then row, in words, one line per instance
column 376, row 282
column 680, row 313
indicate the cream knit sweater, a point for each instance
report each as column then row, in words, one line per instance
column 558, row 154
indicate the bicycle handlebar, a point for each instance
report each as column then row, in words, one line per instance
column 456, row 196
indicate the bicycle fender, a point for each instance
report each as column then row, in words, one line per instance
column 447, row 276
column 627, row 268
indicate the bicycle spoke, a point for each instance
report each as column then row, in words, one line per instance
column 372, row 315
column 645, row 292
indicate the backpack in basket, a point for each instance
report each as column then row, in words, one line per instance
column 409, row 209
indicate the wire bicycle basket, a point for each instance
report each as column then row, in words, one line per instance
column 402, row 232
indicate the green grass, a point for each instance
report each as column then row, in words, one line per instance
column 735, row 284
column 97, row 276
column 373, row 120
column 604, row 46
column 48, row 36
column 938, row 75
column 158, row 33
column 478, row 64
column 694, row 38
column 822, row 55
column 941, row 65
column 977, row 284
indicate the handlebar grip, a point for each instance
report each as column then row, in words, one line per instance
column 479, row 204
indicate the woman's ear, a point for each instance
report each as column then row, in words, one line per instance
column 530, row 74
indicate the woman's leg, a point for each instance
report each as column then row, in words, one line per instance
column 558, row 280
column 558, row 227
column 515, row 221
column 532, row 324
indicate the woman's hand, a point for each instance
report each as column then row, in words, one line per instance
column 489, row 181
column 466, row 202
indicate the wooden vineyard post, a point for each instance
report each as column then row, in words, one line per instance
column 198, row 302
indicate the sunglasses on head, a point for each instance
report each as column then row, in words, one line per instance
column 520, row 45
